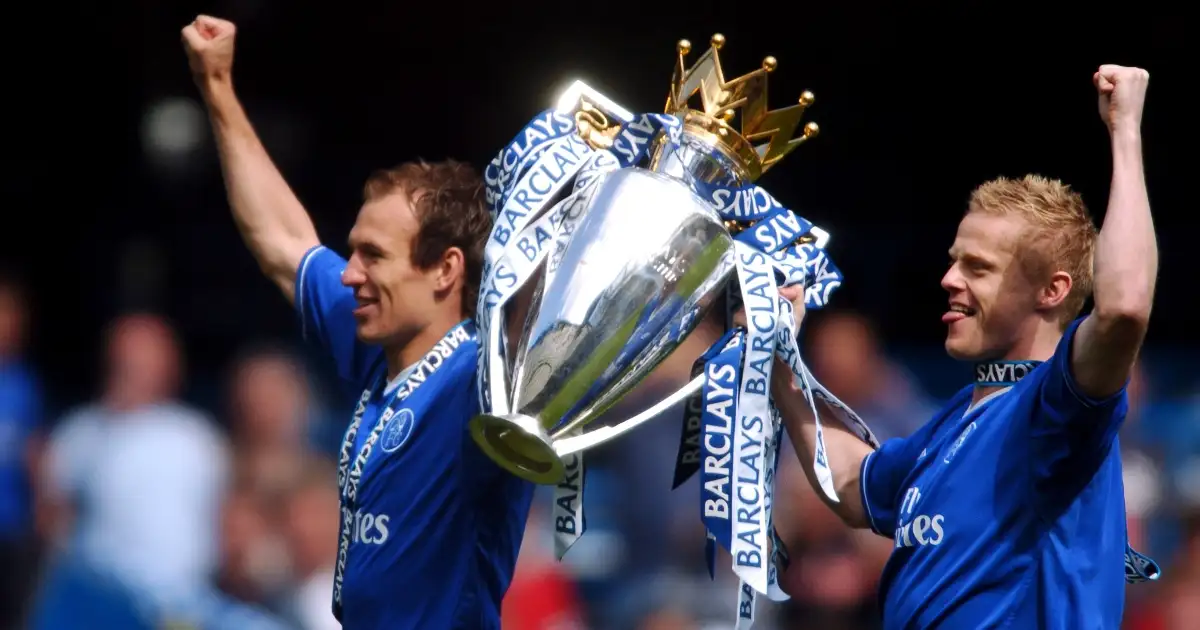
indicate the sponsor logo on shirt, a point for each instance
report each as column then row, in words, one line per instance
column 369, row 529
column 917, row 530
column 921, row 531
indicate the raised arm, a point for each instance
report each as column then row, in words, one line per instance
column 1126, row 257
column 272, row 221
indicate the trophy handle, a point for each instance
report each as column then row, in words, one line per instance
column 575, row 444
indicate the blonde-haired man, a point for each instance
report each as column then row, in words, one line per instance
column 1007, row 508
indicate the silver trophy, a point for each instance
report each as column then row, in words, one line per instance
column 648, row 258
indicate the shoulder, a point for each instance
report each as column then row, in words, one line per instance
column 1053, row 382
column 1059, row 364
column 78, row 421
column 319, row 256
column 73, row 443
column 465, row 382
column 318, row 281
column 961, row 396
column 948, row 411
column 449, row 389
column 194, row 429
column 190, row 419
column 461, row 367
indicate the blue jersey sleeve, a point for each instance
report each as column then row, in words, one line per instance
column 1071, row 433
column 883, row 472
column 326, row 310
column 882, row 476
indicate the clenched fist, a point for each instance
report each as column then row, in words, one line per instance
column 1122, row 93
column 208, row 42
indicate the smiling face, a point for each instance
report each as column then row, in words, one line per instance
column 417, row 251
column 991, row 301
column 394, row 297
column 1020, row 269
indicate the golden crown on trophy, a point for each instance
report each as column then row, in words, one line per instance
column 766, row 136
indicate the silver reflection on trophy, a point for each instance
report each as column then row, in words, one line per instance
column 647, row 260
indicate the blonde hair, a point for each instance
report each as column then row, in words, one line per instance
column 1064, row 235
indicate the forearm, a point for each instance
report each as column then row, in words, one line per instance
column 272, row 221
column 1125, row 269
column 844, row 450
column 1126, row 259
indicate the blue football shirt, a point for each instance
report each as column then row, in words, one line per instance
column 1008, row 514
column 437, row 526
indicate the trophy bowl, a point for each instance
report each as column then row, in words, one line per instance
column 647, row 252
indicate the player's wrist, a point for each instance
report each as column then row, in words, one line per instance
column 1126, row 152
column 1126, row 137
column 786, row 395
column 215, row 86
column 224, row 109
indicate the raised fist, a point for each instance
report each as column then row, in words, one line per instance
column 1122, row 93
column 208, row 42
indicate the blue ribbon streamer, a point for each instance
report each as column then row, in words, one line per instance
column 786, row 239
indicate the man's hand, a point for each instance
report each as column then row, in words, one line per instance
column 1122, row 94
column 793, row 294
column 208, row 42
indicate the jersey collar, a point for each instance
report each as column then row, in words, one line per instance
column 1002, row 373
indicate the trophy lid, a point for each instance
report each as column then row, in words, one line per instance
column 765, row 137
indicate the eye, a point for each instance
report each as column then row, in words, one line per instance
column 370, row 252
column 978, row 267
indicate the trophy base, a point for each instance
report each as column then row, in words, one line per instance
column 519, row 445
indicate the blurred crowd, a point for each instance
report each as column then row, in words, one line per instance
column 138, row 509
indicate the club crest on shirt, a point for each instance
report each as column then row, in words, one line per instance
column 396, row 433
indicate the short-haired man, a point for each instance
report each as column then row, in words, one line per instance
column 1007, row 508
column 430, row 527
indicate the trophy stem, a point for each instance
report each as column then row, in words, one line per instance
column 518, row 444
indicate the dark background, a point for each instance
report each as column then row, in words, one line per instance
column 916, row 106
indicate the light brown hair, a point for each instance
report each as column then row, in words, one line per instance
column 448, row 200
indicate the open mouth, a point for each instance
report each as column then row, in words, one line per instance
column 958, row 312
column 965, row 310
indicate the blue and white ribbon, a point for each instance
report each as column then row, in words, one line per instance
column 731, row 430
column 532, row 225
column 351, row 466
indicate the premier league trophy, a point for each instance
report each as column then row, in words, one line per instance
column 631, row 228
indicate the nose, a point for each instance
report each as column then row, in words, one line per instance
column 353, row 275
column 952, row 282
